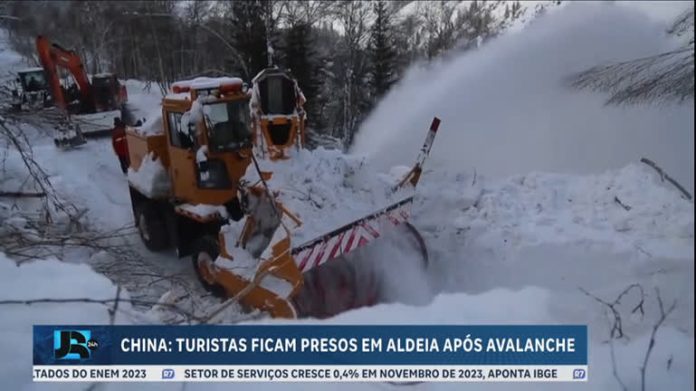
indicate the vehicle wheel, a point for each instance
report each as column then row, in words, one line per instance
column 151, row 226
column 420, row 242
column 205, row 251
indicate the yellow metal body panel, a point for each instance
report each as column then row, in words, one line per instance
column 139, row 146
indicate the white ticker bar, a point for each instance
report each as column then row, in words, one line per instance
column 310, row 373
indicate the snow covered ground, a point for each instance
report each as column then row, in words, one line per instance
column 562, row 207
column 49, row 279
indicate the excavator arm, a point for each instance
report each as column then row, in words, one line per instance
column 53, row 56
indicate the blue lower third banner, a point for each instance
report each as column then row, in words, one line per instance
column 310, row 353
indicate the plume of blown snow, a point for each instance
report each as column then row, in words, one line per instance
column 506, row 109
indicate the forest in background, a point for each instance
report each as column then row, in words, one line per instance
column 345, row 55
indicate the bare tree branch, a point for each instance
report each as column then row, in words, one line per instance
column 18, row 141
column 617, row 331
column 664, row 313
column 614, row 369
column 22, row 194
column 112, row 311
column 617, row 327
column 664, row 176
column 667, row 76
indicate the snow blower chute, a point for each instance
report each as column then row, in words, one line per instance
column 196, row 185
column 277, row 114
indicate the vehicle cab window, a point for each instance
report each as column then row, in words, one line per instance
column 228, row 125
column 34, row 81
column 178, row 137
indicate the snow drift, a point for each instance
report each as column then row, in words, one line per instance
column 327, row 189
column 55, row 280
column 506, row 111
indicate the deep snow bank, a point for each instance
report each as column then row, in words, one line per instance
column 538, row 306
column 327, row 189
column 560, row 232
column 496, row 239
column 519, row 251
column 48, row 279
column 505, row 110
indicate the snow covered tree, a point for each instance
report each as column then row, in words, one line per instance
column 477, row 21
column 449, row 24
column 512, row 11
column 667, row 76
column 351, row 67
column 408, row 40
column 438, row 23
column 382, row 50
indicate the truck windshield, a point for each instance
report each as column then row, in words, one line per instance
column 228, row 125
column 102, row 81
column 33, row 81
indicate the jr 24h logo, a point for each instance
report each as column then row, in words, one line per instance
column 73, row 344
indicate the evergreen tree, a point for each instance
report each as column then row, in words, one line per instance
column 382, row 51
column 247, row 24
column 301, row 58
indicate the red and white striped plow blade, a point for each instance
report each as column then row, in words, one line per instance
column 351, row 236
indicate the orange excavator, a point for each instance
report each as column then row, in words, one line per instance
column 89, row 106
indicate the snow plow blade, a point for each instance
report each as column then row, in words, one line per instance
column 68, row 136
column 301, row 281
column 97, row 125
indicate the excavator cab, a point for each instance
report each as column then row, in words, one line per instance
column 108, row 92
column 32, row 80
column 277, row 113
column 32, row 91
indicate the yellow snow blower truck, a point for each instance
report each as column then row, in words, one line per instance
column 197, row 186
